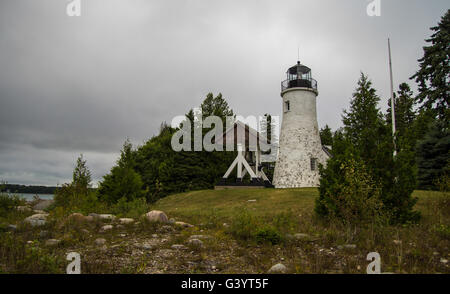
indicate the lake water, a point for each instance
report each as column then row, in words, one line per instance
column 27, row 196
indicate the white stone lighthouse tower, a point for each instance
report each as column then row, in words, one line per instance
column 301, row 150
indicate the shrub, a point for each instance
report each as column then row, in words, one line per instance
column 348, row 193
column 244, row 225
column 134, row 208
column 268, row 235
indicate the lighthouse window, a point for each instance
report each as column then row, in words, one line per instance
column 313, row 163
column 287, row 106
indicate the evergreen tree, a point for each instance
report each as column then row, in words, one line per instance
column 122, row 181
column 81, row 177
column 366, row 145
column 404, row 117
column 433, row 76
column 433, row 153
column 326, row 136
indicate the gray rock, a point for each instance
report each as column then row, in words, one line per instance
column 183, row 224
column 106, row 217
column 300, row 236
column 52, row 242
column 350, row 246
column 43, row 204
column 155, row 236
column 444, row 261
column 126, row 221
column 156, row 216
column 195, row 242
column 172, row 220
column 278, row 269
column 39, row 219
column 94, row 215
column 200, row 237
column 107, row 228
column 100, row 241
column 178, row 247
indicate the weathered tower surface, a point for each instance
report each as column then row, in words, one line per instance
column 301, row 150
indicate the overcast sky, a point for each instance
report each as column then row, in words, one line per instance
column 71, row 85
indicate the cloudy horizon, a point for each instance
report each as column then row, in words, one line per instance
column 72, row 85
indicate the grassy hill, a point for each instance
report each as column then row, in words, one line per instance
column 233, row 231
column 280, row 226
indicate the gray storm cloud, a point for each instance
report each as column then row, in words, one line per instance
column 71, row 85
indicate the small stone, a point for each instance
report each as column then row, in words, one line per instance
column 172, row 221
column 253, row 200
column 178, row 247
column 106, row 217
column 183, row 224
column 278, row 269
column 107, row 228
column 226, row 225
column 195, row 242
column 100, row 241
column 126, row 221
column 155, row 236
column 166, row 228
column 300, row 236
column 85, row 231
column 397, row 242
column 122, row 235
column 201, row 237
column 52, row 242
column 435, row 253
column 94, row 215
column 444, row 261
column 350, row 246
column 157, row 216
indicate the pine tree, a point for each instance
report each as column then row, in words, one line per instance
column 433, row 76
column 326, row 136
column 433, row 153
column 81, row 178
column 404, row 117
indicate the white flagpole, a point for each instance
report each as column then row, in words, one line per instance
column 392, row 97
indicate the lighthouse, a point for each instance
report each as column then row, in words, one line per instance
column 301, row 150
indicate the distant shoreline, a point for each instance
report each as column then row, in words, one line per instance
column 27, row 189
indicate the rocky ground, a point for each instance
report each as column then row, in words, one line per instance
column 156, row 243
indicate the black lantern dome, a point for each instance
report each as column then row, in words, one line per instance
column 299, row 76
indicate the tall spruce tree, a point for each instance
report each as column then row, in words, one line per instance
column 326, row 136
column 366, row 144
column 433, row 77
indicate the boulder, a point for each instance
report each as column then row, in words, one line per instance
column 100, row 241
column 278, row 269
column 156, row 216
column 43, row 204
column 178, row 247
column 195, row 242
column 126, row 221
column 52, row 242
column 39, row 219
column 106, row 228
column 106, row 217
